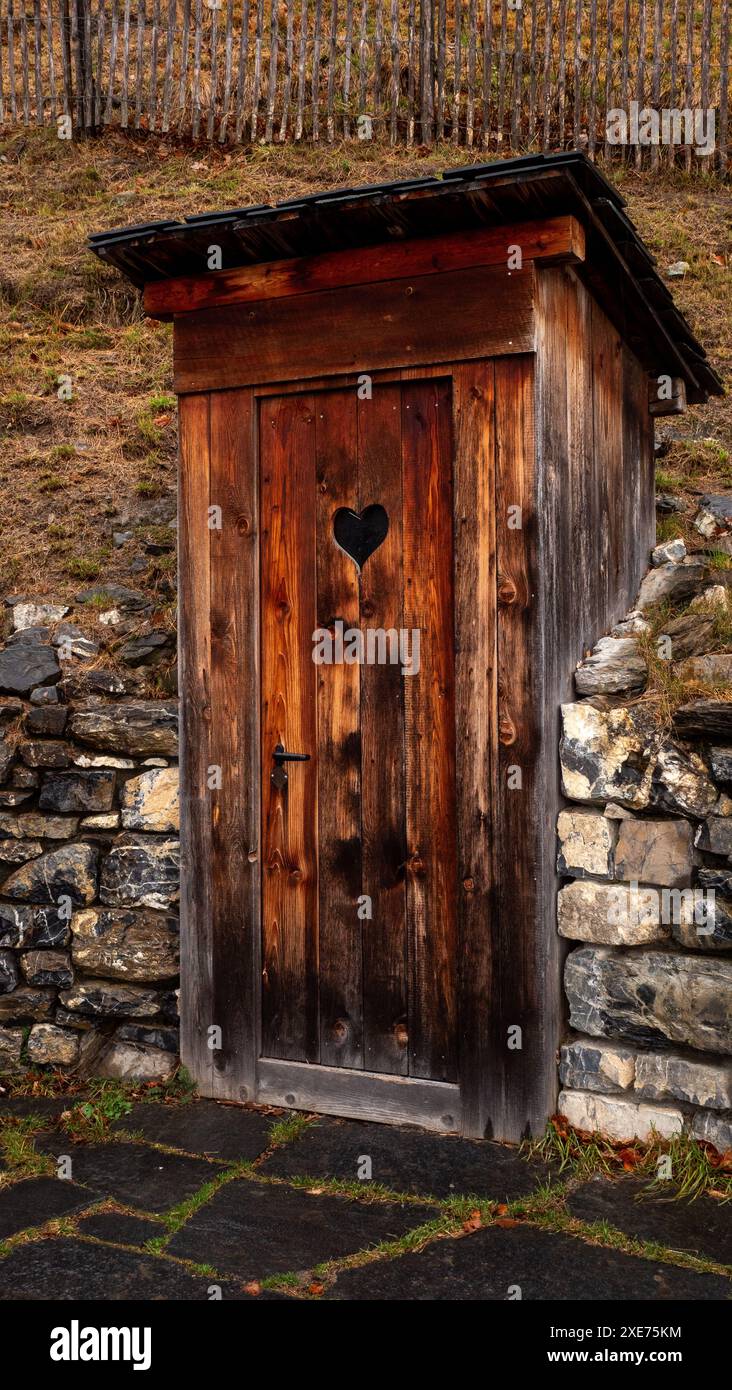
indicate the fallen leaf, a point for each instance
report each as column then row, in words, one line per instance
column 501, row 1209
column 316, row 1289
column 506, row 1223
column 473, row 1222
column 162, row 419
column 255, row 1287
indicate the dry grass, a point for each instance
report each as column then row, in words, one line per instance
column 73, row 472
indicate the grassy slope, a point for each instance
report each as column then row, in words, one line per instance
column 71, row 473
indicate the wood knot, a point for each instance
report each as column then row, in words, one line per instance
column 506, row 731
column 507, row 591
column 401, row 1036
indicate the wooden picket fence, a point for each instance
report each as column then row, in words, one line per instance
column 497, row 75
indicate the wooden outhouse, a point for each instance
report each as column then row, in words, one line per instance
column 416, row 483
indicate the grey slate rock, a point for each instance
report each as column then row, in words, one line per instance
column 229, row 1133
column 110, row 999
column 47, row 968
column 258, row 1230
column 8, row 972
column 132, row 1174
column 720, row 761
column 35, row 1201
column 704, row 719
column 545, row 1266
column 44, row 695
column 651, row 997
column 47, row 719
column 120, row 1228
column 407, row 1160
column 23, row 667
column 702, row 1227
column 141, row 728
column 141, row 871
column 69, row 1269
column 70, row 871
column 78, row 793
column 117, row 596
column 29, row 637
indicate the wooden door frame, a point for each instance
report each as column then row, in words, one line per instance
column 492, row 439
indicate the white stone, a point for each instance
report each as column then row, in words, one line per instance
column 614, row 812
column 607, row 755
column 125, row 1061
column 609, row 914
column 631, row 625
column 618, row 1118
column 37, row 615
column 655, row 851
column 11, row 1043
column 585, row 843
column 52, row 1045
column 102, row 760
column 711, row 600
column 671, row 580
column 110, row 617
column 669, row 552
column 154, row 762
column 150, row 801
column 108, row 821
column 614, row 667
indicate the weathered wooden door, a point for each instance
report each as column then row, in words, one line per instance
column 359, row 853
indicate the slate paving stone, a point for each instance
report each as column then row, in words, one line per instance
column 545, row 1266
column 226, row 1132
column 132, row 1174
column 33, row 1201
column 77, row 1269
column 120, row 1227
column 255, row 1229
column 47, row 1106
column 408, row 1160
column 703, row 1227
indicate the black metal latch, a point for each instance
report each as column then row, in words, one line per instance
column 279, row 773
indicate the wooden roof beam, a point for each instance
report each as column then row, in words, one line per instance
column 551, row 241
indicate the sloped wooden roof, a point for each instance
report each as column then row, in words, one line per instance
column 619, row 270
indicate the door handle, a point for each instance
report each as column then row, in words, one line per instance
column 278, row 776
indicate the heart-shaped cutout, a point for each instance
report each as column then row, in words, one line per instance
column 360, row 533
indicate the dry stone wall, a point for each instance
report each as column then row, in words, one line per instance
column 645, row 857
column 89, row 852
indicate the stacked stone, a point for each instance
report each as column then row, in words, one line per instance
column 650, row 984
column 89, row 857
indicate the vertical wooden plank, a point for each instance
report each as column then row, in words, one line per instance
column 234, row 742
column 289, row 56
column 274, row 40
column 475, row 719
column 487, row 69
column 429, row 714
column 606, row 397
column 470, row 106
column 196, row 88
column 289, row 815
column 426, row 22
column 548, row 34
column 519, row 960
column 184, row 48
column 170, row 31
column 37, row 51
column 533, row 75
column 76, row 46
column 152, row 109
column 65, row 37
column 140, row 65
column 332, row 62
column 51, row 60
column 442, row 65
column 457, row 74
column 502, row 48
column 362, row 59
column 25, row 64
column 214, row 72
column 656, row 71
column 608, row 88
column 723, row 86
column 315, row 81
column 411, row 70
column 592, row 115
column 228, row 67
column 378, row 47
column 124, row 110
column 347, row 67
column 339, row 754
column 242, row 73
column 301, row 70
column 641, row 73
column 194, row 602
column 577, row 122
column 518, row 77
column 383, row 827
column 689, row 71
column 562, row 80
column 113, row 60
column 394, row 73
